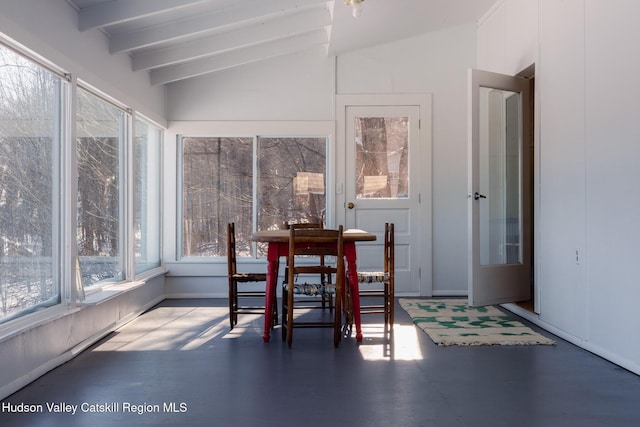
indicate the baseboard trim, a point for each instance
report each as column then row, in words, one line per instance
column 629, row 365
column 34, row 374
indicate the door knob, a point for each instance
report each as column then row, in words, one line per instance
column 350, row 205
column 477, row 196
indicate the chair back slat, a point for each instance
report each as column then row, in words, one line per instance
column 288, row 225
column 315, row 242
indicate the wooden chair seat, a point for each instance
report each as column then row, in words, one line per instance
column 373, row 276
column 312, row 289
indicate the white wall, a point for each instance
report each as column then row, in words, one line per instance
column 587, row 157
column 293, row 87
column 66, row 331
column 49, row 29
column 303, row 87
column 613, row 174
column 434, row 63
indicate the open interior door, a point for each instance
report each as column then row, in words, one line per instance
column 499, row 189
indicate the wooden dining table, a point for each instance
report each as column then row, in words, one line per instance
column 278, row 246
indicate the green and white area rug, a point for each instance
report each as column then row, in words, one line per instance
column 453, row 322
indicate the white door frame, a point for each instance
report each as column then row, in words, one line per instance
column 423, row 101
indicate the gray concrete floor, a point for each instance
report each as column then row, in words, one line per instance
column 179, row 365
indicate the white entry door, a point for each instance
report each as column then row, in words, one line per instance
column 382, row 162
column 499, row 189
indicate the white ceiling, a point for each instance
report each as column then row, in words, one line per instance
column 177, row 39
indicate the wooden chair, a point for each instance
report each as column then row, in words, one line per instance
column 326, row 298
column 384, row 279
column 303, row 243
column 236, row 278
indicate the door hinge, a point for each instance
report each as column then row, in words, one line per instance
column 419, row 197
column 419, row 123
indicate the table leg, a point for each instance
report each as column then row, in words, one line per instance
column 352, row 272
column 270, row 291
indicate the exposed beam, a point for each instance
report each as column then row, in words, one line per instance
column 117, row 11
column 235, row 58
column 243, row 12
column 279, row 28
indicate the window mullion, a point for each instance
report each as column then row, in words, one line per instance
column 127, row 203
column 180, row 198
column 255, row 187
column 67, row 192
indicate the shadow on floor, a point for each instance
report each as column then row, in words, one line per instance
column 180, row 365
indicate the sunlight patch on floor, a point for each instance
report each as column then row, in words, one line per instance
column 193, row 328
column 247, row 324
column 400, row 344
column 169, row 328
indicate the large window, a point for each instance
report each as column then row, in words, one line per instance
column 256, row 182
column 292, row 180
column 146, row 230
column 101, row 131
column 217, row 176
column 30, row 105
column 108, row 179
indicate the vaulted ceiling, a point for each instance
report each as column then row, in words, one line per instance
column 174, row 40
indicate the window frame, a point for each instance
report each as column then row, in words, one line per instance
column 258, row 149
column 180, row 192
column 133, row 200
column 70, row 295
column 216, row 266
column 125, row 132
column 60, row 91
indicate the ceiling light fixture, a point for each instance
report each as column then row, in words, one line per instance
column 356, row 7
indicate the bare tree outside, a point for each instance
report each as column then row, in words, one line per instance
column 218, row 188
column 100, row 129
column 292, row 181
column 382, row 155
column 31, row 150
column 29, row 113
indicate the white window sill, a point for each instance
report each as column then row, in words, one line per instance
column 109, row 292
column 50, row 314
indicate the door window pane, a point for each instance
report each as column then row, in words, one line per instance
column 500, row 177
column 29, row 142
column 100, row 132
column 217, row 188
column 147, row 196
column 382, row 152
